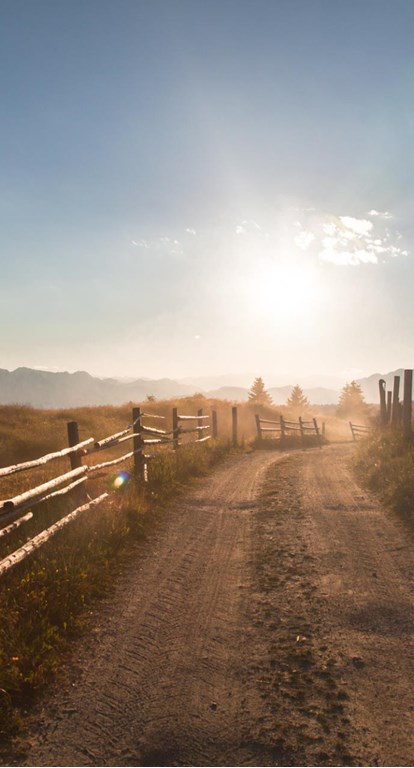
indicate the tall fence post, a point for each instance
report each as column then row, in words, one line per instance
column 234, row 424
column 73, row 439
column 75, row 458
column 138, row 445
column 407, row 403
column 214, row 430
column 323, row 429
column 352, row 430
column 175, row 428
column 389, row 406
column 282, row 429
column 200, row 424
column 302, row 431
column 383, row 405
column 258, row 427
column 396, row 402
column 315, row 424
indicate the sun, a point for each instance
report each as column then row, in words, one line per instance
column 285, row 291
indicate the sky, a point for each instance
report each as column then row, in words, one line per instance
column 207, row 187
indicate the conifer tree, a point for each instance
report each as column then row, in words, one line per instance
column 351, row 400
column 297, row 401
column 258, row 395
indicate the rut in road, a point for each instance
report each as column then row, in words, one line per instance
column 165, row 684
column 271, row 629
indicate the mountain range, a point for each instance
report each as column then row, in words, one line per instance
column 46, row 389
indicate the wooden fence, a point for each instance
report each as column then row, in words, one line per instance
column 358, row 430
column 144, row 438
column 283, row 427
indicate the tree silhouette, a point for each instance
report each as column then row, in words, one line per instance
column 351, row 400
column 258, row 395
column 297, row 401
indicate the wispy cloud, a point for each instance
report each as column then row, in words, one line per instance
column 349, row 240
column 380, row 214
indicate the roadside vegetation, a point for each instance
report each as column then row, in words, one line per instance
column 48, row 599
column 384, row 464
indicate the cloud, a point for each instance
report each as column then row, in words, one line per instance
column 359, row 226
column 191, row 231
column 380, row 214
column 349, row 240
column 141, row 243
column 304, row 239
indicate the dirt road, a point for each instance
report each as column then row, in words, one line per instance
column 270, row 622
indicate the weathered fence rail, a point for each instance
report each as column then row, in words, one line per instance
column 145, row 438
column 359, row 430
column 283, row 427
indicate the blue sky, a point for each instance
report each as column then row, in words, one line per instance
column 199, row 187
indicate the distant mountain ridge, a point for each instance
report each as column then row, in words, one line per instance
column 46, row 389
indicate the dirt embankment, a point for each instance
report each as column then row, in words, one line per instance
column 257, row 630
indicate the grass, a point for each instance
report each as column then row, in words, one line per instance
column 45, row 601
column 384, row 463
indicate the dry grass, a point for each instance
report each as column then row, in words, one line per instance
column 44, row 600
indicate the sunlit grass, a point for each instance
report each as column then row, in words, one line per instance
column 384, row 463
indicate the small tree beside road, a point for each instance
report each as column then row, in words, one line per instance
column 297, row 401
column 351, row 401
column 258, row 394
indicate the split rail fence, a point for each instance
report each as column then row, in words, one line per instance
column 283, row 427
column 359, row 430
column 144, row 439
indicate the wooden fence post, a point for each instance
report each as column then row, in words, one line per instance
column 302, row 432
column 315, row 424
column 282, row 429
column 138, row 445
column 214, row 430
column 395, row 402
column 323, row 429
column 175, row 428
column 352, row 430
column 258, row 427
column 389, row 406
column 200, row 424
column 383, row 406
column 407, row 404
column 75, row 458
column 73, row 439
column 234, row 424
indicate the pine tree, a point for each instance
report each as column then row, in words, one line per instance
column 351, row 400
column 297, row 401
column 258, row 395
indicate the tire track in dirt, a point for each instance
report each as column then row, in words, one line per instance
column 334, row 575
column 165, row 683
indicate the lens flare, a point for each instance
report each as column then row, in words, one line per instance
column 120, row 480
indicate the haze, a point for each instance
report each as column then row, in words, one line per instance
column 195, row 187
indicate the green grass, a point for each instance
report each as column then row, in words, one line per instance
column 384, row 463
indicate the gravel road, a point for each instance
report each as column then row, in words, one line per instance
column 269, row 622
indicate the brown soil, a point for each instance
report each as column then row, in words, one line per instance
column 270, row 622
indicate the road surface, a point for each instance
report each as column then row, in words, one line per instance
column 269, row 622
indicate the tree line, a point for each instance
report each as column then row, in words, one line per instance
column 351, row 399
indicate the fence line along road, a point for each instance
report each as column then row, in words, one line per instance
column 143, row 437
